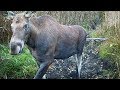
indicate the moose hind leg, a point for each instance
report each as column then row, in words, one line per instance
column 75, row 57
column 80, row 55
column 42, row 70
column 78, row 58
column 79, row 64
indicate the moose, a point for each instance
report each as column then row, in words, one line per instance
column 46, row 39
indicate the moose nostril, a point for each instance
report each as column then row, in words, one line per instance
column 13, row 46
column 20, row 51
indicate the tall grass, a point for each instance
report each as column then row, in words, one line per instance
column 110, row 49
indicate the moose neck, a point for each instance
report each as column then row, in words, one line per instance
column 31, row 37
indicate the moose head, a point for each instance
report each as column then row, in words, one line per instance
column 20, row 29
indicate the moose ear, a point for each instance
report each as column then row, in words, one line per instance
column 10, row 15
column 28, row 14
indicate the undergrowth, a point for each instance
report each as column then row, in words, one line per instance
column 16, row 66
column 109, row 50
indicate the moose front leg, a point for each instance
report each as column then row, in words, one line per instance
column 38, row 64
column 42, row 70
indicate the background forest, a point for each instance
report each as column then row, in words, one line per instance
column 98, row 24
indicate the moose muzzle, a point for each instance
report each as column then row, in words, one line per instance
column 15, row 48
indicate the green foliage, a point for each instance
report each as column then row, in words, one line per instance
column 110, row 49
column 16, row 67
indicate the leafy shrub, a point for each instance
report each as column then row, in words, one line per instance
column 16, row 67
column 110, row 49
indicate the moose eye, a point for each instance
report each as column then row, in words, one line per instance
column 25, row 26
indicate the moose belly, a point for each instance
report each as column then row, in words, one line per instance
column 64, row 51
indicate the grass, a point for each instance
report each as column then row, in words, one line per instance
column 110, row 49
column 16, row 66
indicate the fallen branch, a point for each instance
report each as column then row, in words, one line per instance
column 96, row 39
